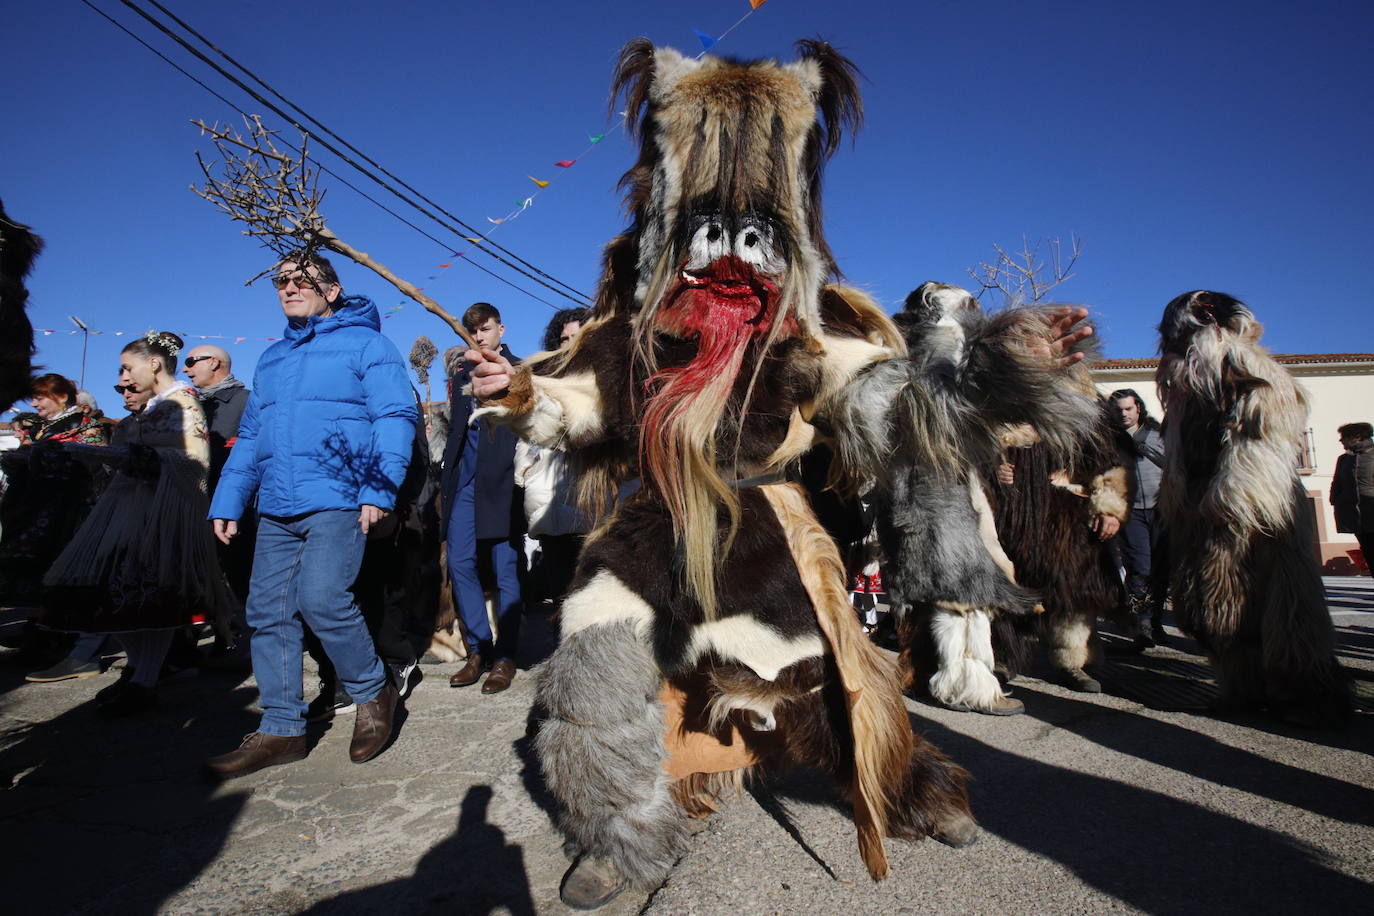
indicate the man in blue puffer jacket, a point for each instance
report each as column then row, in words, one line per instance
column 324, row 443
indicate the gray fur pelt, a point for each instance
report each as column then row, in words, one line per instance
column 968, row 374
column 601, row 750
column 1245, row 582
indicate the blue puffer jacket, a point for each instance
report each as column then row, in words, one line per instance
column 329, row 424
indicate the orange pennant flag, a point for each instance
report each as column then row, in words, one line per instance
column 755, row 4
column 542, row 184
column 445, row 265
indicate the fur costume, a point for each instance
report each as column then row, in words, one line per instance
column 1245, row 582
column 714, row 356
column 19, row 248
column 946, row 572
column 1043, row 521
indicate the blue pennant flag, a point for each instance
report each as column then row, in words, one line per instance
column 707, row 42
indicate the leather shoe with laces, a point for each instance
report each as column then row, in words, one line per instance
column 374, row 723
column 502, row 673
column 470, row 673
column 258, row 750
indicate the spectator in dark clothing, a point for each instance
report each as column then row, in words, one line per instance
column 1142, row 536
column 223, row 398
column 483, row 515
column 1352, row 487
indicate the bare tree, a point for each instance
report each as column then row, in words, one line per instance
column 422, row 354
column 275, row 193
column 1026, row 277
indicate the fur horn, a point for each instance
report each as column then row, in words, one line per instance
column 634, row 74
column 838, row 101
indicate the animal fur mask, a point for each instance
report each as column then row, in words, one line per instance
column 725, row 195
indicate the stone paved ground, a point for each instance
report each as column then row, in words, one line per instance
column 1089, row 804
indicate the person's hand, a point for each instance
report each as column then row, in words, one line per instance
column 1006, row 474
column 1105, row 527
column 490, row 373
column 1060, row 323
column 225, row 529
column 371, row 515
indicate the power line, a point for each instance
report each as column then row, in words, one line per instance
column 325, row 130
column 348, row 184
column 333, row 149
column 257, row 97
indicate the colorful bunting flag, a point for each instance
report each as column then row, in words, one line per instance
column 495, row 222
column 707, row 42
column 565, row 163
column 596, row 138
column 755, row 4
column 542, row 184
column 240, row 339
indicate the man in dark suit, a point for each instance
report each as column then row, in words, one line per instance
column 483, row 518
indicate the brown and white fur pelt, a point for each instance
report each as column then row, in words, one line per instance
column 1245, row 583
column 945, row 572
column 19, row 248
column 1043, row 521
column 714, row 356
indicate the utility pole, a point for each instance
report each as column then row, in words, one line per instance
column 85, row 338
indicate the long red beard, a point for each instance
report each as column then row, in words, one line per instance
column 726, row 308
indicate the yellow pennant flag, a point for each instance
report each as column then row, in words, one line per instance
column 542, row 184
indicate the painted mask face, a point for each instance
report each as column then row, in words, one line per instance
column 726, row 193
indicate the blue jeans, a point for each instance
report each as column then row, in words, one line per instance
column 465, row 551
column 302, row 569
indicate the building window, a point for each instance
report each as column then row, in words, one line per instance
column 1307, row 452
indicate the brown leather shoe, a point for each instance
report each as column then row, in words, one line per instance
column 502, row 673
column 470, row 673
column 258, row 750
column 373, row 725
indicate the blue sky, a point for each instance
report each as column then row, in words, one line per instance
column 1222, row 145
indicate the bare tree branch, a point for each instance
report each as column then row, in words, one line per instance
column 275, row 193
column 1024, row 278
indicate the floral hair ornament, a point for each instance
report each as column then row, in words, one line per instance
column 160, row 339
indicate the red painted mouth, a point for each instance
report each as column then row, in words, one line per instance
column 726, row 293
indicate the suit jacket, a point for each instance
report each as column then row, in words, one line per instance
column 500, row 508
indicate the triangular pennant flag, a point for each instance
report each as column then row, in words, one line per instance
column 496, row 222
column 240, row 339
column 270, row 338
column 459, row 254
column 47, row 333
column 119, row 333
column 755, row 4
column 565, row 163
column 474, row 241
column 522, row 204
column 542, row 184
column 445, row 265
column 596, row 138
column 97, row 332
column 707, row 42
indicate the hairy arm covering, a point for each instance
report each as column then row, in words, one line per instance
column 570, row 400
column 947, row 413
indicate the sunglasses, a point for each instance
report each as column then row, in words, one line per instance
column 301, row 281
column 120, row 389
column 192, row 360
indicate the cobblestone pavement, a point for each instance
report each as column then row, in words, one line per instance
column 1089, row 803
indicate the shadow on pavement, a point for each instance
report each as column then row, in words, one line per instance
column 1206, row 758
column 1153, row 852
column 112, row 815
column 474, row 871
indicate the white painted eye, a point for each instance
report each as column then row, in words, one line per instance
column 709, row 243
column 754, row 246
